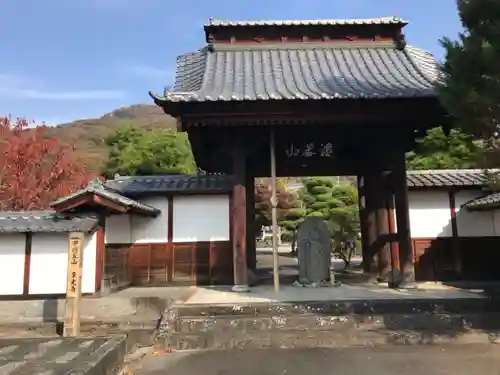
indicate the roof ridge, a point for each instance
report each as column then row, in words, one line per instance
column 458, row 170
column 301, row 46
column 166, row 175
column 213, row 22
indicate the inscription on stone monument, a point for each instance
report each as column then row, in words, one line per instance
column 314, row 252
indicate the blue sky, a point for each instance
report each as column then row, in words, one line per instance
column 64, row 60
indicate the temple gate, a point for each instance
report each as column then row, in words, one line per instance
column 343, row 97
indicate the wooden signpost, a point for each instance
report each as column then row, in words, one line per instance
column 74, row 285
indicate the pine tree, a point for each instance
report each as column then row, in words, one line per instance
column 291, row 221
column 438, row 151
column 317, row 195
column 337, row 204
column 470, row 90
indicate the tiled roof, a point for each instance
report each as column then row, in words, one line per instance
column 108, row 193
column 448, row 178
column 140, row 185
column 303, row 71
column 45, row 221
column 488, row 202
column 360, row 21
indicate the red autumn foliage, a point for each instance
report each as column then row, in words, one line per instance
column 263, row 206
column 35, row 170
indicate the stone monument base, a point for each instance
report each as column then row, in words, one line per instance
column 240, row 288
column 316, row 284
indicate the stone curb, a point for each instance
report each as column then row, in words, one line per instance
column 137, row 334
column 106, row 360
column 322, row 339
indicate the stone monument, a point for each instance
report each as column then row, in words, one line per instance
column 314, row 252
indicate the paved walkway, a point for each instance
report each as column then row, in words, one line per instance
column 400, row 360
column 265, row 294
column 145, row 304
column 57, row 356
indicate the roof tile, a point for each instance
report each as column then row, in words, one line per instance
column 487, row 202
column 45, row 221
column 185, row 184
column 299, row 71
column 448, row 178
column 108, row 193
column 332, row 22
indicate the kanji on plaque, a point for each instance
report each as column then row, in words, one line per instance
column 309, row 150
column 292, row 151
column 326, row 150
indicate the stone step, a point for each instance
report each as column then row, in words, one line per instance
column 329, row 324
column 340, row 308
column 311, row 322
column 324, row 339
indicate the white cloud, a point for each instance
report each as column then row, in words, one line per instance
column 13, row 86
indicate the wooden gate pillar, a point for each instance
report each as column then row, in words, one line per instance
column 393, row 239
column 239, row 215
column 363, row 223
column 370, row 195
column 403, row 225
column 378, row 247
column 383, row 248
column 250, row 217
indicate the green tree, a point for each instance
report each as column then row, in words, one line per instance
column 290, row 222
column 317, row 195
column 337, row 204
column 438, row 151
column 470, row 90
column 344, row 221
column 135, row 151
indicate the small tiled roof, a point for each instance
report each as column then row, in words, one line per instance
column 302, row 71
column 45, row 221
column 184, row 184
column 487, row 202
column 448, row 178
column 108, row 193
column 334, row 22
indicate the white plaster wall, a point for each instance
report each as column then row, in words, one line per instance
column 201, row 218
column 475, row 223
column 151, row 229
column 118, row 229
column 12, row 250
column 430, row 214
column 49, row 263
column 89, row 263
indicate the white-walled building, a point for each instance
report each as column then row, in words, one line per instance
column 171, row 230
column 145, row 230
column 454, row 236
column 34, row 252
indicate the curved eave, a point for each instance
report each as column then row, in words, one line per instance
column 482, row 207
column 170, row 107
column 176, row 99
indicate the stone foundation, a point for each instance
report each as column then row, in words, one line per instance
column 330, row 324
